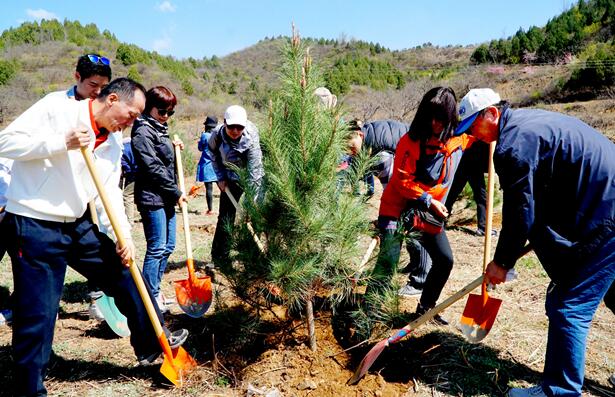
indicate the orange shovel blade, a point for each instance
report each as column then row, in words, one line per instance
column 478, row 317
column 194, row 295
column 176, row 367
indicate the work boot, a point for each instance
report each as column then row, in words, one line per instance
column 408, row 290
column 535, row 391
column 437, row 319
column 175, row 338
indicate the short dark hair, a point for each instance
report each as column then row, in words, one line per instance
column 87, row 68
column 124, row 88
column 439, row 103
column 159, row 97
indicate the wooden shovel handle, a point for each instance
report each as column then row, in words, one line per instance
column 257, row 240
column 134, row 270
column 184, row 208
column 489, row 220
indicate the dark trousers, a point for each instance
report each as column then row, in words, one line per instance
column 439, row 249
column 434, row 247
column 609, row 298
column 221, row 244
column 472, row 170
column 420, row 264
column 209, row 195
column 40, row 251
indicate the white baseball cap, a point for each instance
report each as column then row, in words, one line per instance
column 326, row 97
column 472, row 103
column 236, row 115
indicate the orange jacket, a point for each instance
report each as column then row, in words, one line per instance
column 406, row 186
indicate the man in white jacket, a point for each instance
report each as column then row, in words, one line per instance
column 49, row 228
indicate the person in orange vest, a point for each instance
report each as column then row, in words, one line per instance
column 425, row 162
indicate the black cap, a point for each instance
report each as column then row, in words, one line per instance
column 211, row 122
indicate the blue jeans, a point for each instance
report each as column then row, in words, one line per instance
column 159, row 229
column 40, row 251
column 570, row 309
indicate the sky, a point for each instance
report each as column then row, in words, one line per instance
column 199, row 28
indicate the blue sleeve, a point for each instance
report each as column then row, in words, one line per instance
column 516, row 174
column 203, row 141
column 214, row 149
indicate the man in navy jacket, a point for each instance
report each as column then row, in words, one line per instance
column 558, row 178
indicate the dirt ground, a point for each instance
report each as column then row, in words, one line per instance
column 89, row 360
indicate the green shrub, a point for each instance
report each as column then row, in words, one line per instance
column 130, row 54
column 598, row 70
column 8, row 69
column 133, row 73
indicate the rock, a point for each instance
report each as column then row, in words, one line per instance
column 256, row 392
column 307, row 384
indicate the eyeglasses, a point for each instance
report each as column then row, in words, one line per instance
column 164, row 112
column 98, row 59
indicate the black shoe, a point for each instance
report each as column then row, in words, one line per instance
column 437, row 319
column 176, row 339
column 147, row 360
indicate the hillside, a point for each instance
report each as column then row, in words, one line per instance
column 371, row 80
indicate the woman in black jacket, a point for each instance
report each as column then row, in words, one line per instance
column 156, row 187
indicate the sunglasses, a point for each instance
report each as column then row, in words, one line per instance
column 235, row 127
column 98, row 59
column 164, row 112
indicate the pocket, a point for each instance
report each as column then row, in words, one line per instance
column 427, row 222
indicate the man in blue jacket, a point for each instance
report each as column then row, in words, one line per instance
column 558, row 178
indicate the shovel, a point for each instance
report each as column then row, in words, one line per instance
column 106, row 304
column 481, row 310
column 194, row 294
column 375, row 351
column 272, row 288
column 177, row 362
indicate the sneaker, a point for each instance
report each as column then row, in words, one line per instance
column 481, row 232
column 93, row 295
column 176, row 339
column 6, row 317
column 437, row 319
column 408, row 290
column 94, row 313
column 161, row 304
column 535, row 391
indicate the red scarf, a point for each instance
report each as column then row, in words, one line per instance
column 101, row 136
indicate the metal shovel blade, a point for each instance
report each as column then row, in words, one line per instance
column 194, row 295
column 177, row 363
column 478, row 317
column 113, row 317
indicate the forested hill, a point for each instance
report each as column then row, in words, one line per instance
column 372, row 80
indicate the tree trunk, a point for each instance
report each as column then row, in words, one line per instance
column 309, row 308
